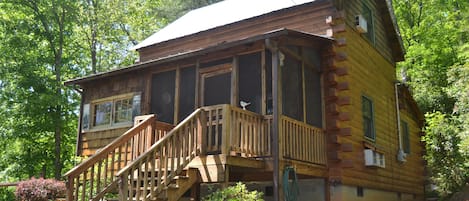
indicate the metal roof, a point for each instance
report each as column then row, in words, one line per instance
column 151, row 63
column 216, row 15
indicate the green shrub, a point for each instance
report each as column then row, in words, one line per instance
column 238, row 192
column 7, row 194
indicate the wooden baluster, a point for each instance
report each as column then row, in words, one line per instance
column 152, row 174
column 132, row 183
column 83, row 186
column 209, row 127
column 145, row 178
column 177, row 146
column 160, row 165
column 77, row 187
column 98, row 181
column 91, row 181
column 113, row 154
column 138, row 173
column 166, row 164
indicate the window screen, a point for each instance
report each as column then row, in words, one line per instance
column 313, row 97
column 292, row 89
column 250, row 85
column 187, row 92
column 162, row 96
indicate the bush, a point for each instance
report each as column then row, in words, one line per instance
column 7, row 193
column 40, row 190
column 238, row 192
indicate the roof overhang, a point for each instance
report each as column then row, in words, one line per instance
column 318, row 39
column 392, row 29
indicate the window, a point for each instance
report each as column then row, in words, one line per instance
column 368, row 123
column 123, row 110
column 368, row 15
column 405, row 137
column 112, row 111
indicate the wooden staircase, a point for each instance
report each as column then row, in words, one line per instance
column 150, row 161
column 122, row 167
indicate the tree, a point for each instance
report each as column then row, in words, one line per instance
column 36, row 35
column 44, row 43
column 435, row 35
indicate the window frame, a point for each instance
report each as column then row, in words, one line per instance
column 368, row 14
column 371, row 118
column 405, row 134
column 113, row 100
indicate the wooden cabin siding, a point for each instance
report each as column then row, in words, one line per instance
column 93, row 139
column 309, row 18
column 370, row 74
column 381, row 41
column 111, row 86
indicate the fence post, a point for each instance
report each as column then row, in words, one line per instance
column 123, row 187
column 70, row 187
column 202, row 132
column 226, row 128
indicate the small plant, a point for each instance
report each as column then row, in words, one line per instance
column 40, row 190
column 238, row 192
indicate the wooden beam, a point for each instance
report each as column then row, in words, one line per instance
column 197, row 85
column 177, row 81
column 234, row 81
column 263, row 80
column 276, row 95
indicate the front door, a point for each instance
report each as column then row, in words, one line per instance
column 216, row 86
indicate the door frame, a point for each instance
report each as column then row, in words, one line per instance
column 211, row 72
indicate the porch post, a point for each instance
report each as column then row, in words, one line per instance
column 272, row 46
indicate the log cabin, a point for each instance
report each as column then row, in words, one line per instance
column 297, row 99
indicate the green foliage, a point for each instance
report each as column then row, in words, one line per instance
column 44, row 43
column 7, row 194
column 444, row 156
column 436, row 37
column 238, row 192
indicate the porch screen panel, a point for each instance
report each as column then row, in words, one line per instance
column 162, row 96
column 313, row 97
column 313, row 90
column 217, row 89
column 250, row 85
column 187, row 92
column 292, row 88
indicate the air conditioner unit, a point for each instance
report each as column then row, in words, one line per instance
column 374, row 159
column 360, row 24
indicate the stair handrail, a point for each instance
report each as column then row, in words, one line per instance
column 172, row 155
column 95, row 189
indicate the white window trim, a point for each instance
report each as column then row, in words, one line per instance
column 111, row 125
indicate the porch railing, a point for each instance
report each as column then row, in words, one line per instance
column 95, row 177
column 302, row 142
column 152, row 172
column 232, row 130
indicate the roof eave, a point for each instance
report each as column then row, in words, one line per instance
column 185, row 55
